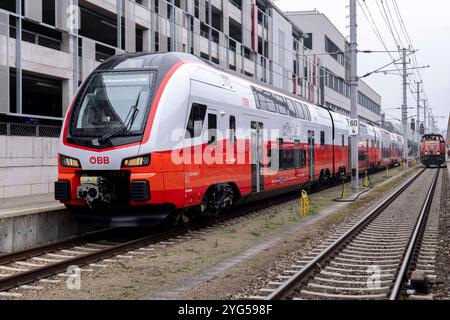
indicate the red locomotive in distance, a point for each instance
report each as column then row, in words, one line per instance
column 432, row 150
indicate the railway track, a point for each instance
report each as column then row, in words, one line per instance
column 49, row 263
column 371, row 259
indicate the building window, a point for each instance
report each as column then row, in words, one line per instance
column 308, row 42
column 334, row 51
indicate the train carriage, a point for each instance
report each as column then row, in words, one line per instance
column 169, row 132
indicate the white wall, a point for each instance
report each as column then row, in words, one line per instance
column 28, row 165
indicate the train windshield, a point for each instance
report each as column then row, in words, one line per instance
column 114, row 102
column 433, row 138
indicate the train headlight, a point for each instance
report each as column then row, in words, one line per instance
column 69, row 162
column 141, row 161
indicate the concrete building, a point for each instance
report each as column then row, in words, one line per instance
column 48, row 47
column 328, row 43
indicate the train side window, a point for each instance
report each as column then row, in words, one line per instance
column 307, row 113
column 322, row 138
column 299, row 158
column 291, row 108
column 196, row 120
column 281, row 103
column 232, row 129
column 300, row 111
column 261, row 101
column 271, row 106
column 287, row 159
column 212, row 128
column 343, row 141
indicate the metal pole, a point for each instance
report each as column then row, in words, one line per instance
column 75, row 58
column 424, row 116
column 119, row 24
column 210, row 29
column 418, row 117
column 19, row 57
column 405, row 110
column 354, row 92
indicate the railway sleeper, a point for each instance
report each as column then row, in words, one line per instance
column 316, row 295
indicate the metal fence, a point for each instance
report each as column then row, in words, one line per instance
column 29, row 130
column 38, row 39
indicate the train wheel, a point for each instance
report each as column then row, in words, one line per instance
column 217, row 199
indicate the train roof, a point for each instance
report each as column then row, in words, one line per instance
column 147, row 60
column 166, row 60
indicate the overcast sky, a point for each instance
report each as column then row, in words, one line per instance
column 428, row 25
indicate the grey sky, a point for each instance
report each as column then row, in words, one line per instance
column 428, row 25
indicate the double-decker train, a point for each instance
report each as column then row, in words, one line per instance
column 169, row 132
column 432, row 150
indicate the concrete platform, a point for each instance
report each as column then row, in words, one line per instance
column 34, row 220
column 12, row 207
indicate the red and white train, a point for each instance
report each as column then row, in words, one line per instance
column 168, row 131
column 432, row 150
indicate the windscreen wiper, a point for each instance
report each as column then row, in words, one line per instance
column 127, row 124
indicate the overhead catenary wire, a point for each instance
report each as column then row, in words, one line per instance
column 396, row 30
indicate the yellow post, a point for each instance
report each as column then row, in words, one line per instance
column 304, row 204
column 387, row 172
column 343, row 189
column 366, row 182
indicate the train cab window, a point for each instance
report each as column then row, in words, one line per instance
column 322, row 138
column 232, row 129
column 291, row 108
column 196, row 120
column 281, row 103
column 300, row 111
column 212, row 128
column 343, row 141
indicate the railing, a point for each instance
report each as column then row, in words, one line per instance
column 38, row 39
column 101, row 56
column 236, row 4
column 29, row 130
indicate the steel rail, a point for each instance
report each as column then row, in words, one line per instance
column 308, row 270
column 48, row 270
column 21, row 278
column 413, row 243
column 54, row 246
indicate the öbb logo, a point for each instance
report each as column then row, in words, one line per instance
column 99, row 160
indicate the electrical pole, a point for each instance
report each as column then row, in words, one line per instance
column 354, row 93
column 405, row 110
column 417, row 132
column 119, row 23
column 424, row 116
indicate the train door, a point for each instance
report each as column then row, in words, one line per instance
column 311, row 155
column 257, row 151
